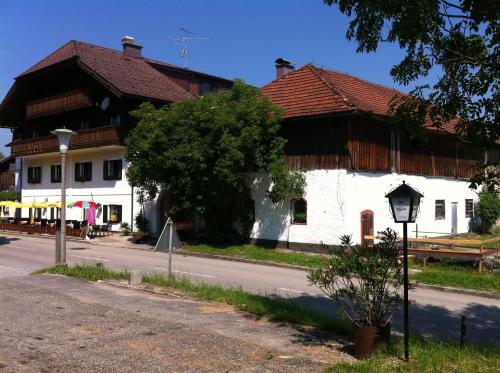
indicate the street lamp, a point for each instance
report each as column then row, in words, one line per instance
column 404, row 202
column 64, row 136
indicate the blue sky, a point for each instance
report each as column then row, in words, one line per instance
column 244, row 37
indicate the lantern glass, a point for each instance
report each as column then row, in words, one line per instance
column 64, row 136
column 415, row 207
column 401, row 207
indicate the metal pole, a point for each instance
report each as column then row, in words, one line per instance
column 170, row 239
column 463, row 330
column 63, row 209
column 405, row 274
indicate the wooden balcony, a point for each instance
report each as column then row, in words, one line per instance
column 91, row 138
column 56, row 104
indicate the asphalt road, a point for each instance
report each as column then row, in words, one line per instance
column 60, row 324
column 433, row 313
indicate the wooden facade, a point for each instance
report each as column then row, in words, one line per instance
column 101, row 136
column 363, row 144
column 56, row 104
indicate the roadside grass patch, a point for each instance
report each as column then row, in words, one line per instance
column 86, row 272
column 426, row 355
column 456, row 276
column 276, row 309
column 259, row 253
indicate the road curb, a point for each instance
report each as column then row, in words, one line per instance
column 243, row 260
column 449, row 289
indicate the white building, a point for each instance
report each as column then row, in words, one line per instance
column 91, row 90
column 335, row 124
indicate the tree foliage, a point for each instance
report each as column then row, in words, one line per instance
column 201, row 151
column 488, row 209
column 456, row 40
column 9, row 196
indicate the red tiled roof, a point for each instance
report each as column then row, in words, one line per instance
column 130, row 75
column 311, row 90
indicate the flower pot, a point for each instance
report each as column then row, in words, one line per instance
column 365, row 340
column 384, row 334
column 138, row 236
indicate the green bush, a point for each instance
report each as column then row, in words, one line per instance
column 364, row 281
column 488, row 209
column 141, row 222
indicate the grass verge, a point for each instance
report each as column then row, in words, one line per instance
column 426, row 356
column 277, row 309
column 456, row 276
column 86, row 272
column 258, row 253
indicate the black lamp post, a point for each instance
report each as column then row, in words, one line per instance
column 405, row 201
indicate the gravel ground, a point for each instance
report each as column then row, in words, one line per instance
column 59, row 324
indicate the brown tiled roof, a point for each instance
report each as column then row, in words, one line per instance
column 311, row 90
column 130, row 75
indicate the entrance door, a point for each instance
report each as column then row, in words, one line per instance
column 454, row 217
column 366, row 227
column 183, row 220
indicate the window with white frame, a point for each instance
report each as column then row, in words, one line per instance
column 299, row 211
column 469, row 208
column 440, row 209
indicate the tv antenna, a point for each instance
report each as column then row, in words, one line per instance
column 184, row 40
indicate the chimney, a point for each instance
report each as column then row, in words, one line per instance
column 131, row 48
column 283, row 67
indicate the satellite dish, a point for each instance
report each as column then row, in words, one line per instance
column 105, row 103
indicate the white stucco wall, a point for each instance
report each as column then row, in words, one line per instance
column 105, row 192
column 335, row 199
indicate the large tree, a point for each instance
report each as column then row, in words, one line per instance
column 202, row 150
column 458, row 41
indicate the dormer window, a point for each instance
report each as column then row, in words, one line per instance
column 207, row 87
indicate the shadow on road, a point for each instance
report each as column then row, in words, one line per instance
column 7, row 240
column 483, row 322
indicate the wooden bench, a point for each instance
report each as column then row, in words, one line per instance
column 451, row 247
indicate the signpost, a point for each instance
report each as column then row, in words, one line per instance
column 169, row 240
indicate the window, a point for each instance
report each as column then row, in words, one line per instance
column 55, row 173
column 84, row 124
column 112, row 214
column 83, row 171
column 34, row 175
column 207, row 87
column 115, row 120
column 38, row 213
column 469, row 208
column 440, row 209
column 112, row 170
column 299, row 211
column 36, row 133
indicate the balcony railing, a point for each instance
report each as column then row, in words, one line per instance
column 91, row 138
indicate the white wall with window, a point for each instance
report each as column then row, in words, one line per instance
column 336, row 198
column 96, row 174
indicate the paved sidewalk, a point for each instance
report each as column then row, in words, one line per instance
column 55, row 323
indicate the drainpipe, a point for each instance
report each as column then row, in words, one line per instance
column 132, row 209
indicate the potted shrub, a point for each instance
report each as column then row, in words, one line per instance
column 366, row 283
column 124, row 228
column 142, row 224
